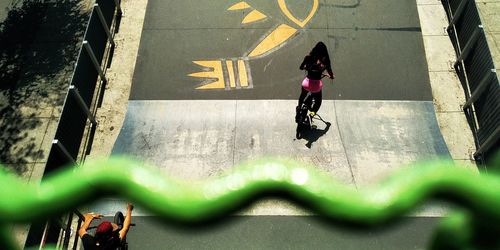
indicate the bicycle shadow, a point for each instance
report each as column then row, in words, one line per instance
column 312, row 135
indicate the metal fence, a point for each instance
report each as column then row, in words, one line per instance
column 82, row 99
column 478, row 75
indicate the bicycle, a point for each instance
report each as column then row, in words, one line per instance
column 303, row 116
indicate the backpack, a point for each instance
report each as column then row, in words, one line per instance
column 317, row 66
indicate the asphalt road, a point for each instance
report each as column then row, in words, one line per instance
column 376, row 48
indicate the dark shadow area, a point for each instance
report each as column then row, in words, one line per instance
column 118, row 21
column 493, row 160
column 313, row 134
column 39, row 44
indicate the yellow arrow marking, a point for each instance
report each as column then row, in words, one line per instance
column 287, row 13
column 277, row 37
column 253, row 16
column 216, row 73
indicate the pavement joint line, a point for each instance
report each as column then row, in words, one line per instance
column 31, row 173
column 440, row 71
column 435, row 35
column 28, row 162
column 45, row 134
column 450, row 111
column 266, row 29
column 234, row 130
column 341, row 138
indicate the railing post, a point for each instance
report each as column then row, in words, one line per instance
column 480, row 88
column 92, row 56
column 470, row 44
column 67, row 231
column 490, row 141
column 118, row 7
column 78, row 225
column 104, row 24
column 44, row 235
column 63, row 150
column 458, row 13
column 82, row 104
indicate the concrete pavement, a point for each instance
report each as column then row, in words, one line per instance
column 448, row 95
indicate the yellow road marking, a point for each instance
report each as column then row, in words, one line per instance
column 287, row 13
column 274, row 39
column 216, row 73
column 242, row 70
column 277, row 37
column 230, row 70
column 239, row 6
column 253, row 16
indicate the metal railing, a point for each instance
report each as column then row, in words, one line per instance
column 475, row 224
column 478, row 75
column 77, row 122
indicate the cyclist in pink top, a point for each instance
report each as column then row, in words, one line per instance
column 315, row 64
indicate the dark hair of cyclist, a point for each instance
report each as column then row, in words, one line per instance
column 320, row 52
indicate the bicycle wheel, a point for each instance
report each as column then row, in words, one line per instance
column 119, row 219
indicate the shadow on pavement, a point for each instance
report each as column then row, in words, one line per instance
column 39, row 43
column 312, row 135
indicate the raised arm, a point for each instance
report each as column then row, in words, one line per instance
column 88, row 218
column 126, row 224
column 329, row 70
